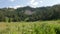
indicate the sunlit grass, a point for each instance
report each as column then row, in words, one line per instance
column 38, row 27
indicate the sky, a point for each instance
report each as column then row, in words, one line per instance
column 32, row 3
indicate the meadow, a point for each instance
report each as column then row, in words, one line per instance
column 38, row 27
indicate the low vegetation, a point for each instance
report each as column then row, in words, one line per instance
column 38, row 27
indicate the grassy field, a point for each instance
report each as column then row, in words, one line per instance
column 38, row 27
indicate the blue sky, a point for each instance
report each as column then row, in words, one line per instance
column 32, row 3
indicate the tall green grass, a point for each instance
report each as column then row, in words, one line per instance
column 43, row 27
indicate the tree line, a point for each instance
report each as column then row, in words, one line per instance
column 30, row 14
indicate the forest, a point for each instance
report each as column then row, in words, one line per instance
column 30, row 14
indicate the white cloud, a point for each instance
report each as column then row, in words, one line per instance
column 32, row 1
column 41, row 1
column 15, row 7
column 12, row 0
column 35, row 3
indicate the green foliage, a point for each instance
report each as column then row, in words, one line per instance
column 30, row 14
column 43, row 27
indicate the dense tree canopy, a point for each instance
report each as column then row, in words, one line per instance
column 29, row 14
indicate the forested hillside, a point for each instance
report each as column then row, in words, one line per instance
column 30, row 14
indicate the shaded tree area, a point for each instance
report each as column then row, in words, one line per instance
column 30, row 14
